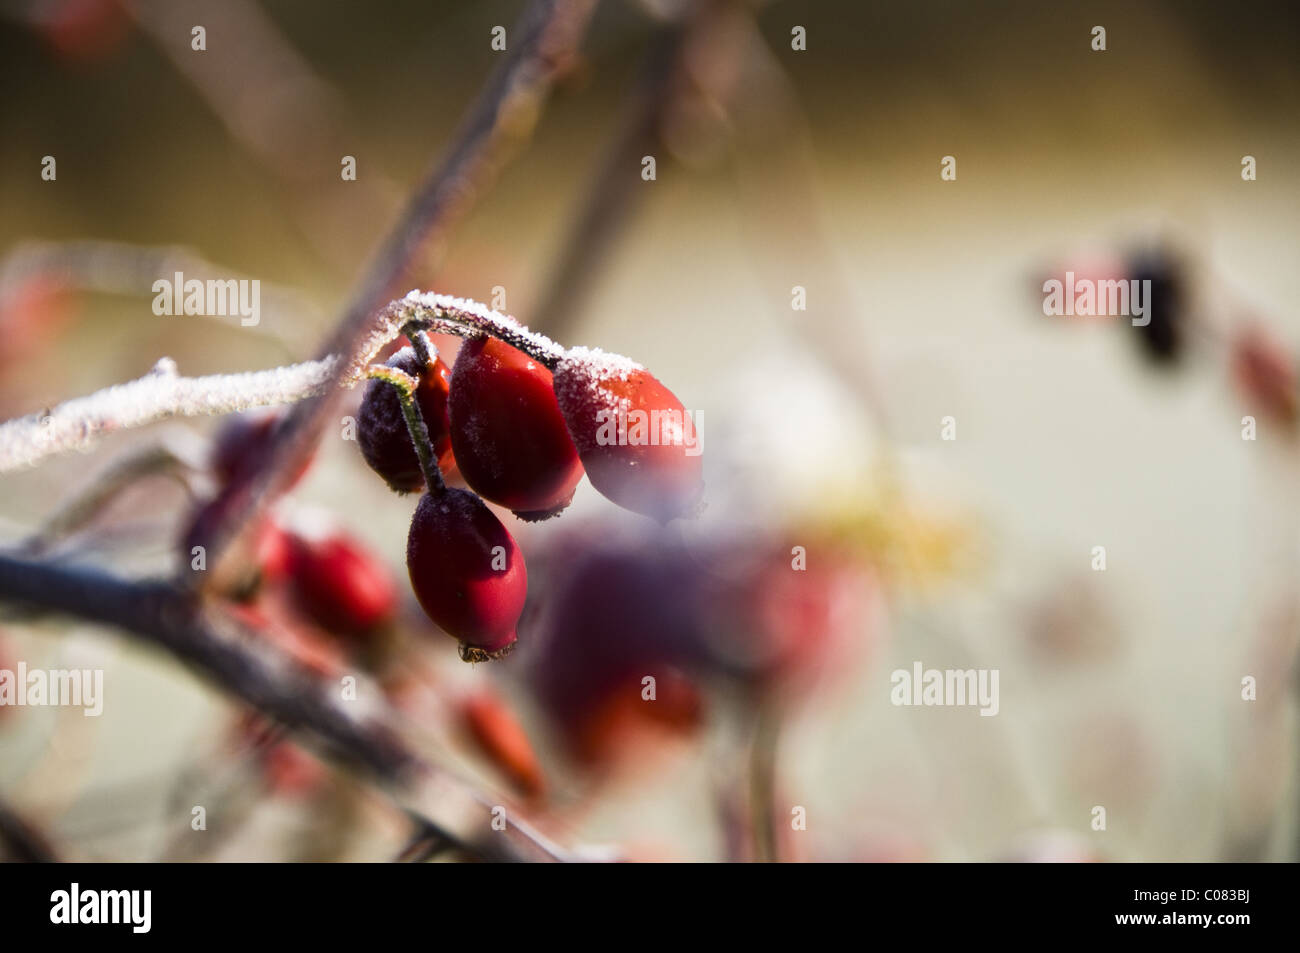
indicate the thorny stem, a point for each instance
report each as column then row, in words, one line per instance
column 406, row 385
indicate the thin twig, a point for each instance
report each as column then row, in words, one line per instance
column 76, row 424
column 25, row 843
column 616, row 186
column 503, row 114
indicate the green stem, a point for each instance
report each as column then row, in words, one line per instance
column 405, row 385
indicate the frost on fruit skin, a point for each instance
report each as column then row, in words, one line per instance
column 509, row 438
column 597, row 392
column 450, row 553
column 382, row 434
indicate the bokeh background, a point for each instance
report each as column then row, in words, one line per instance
column 776, row 168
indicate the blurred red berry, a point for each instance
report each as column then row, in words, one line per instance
column 340, row 585
column 624, row 717
column 381, row 427
column 509, row 438
column 32, row 311
column 83, row 30
column 639, row 446
column 467, row 572
column 1265, row 373
column 245, row 442
column 502, row 739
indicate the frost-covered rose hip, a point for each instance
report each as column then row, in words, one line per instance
column 467, row 572
column 381, row 429
column 639, row 446
column 508, row 435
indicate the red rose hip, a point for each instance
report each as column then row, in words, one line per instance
column 507, row 432
column 339, row 585
column 638, row 444
column 467, row 572
column 382, row 435
column 244, row 443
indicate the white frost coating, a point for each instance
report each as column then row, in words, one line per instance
column 580, row 381
column 77, row 423
column 493, row 322
column 600, row 365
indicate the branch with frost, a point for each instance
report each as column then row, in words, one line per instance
column 162, row 393
column 445, row 314
column 76, row 424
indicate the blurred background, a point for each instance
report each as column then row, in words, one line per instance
column 822, row 428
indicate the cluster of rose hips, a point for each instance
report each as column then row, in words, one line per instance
column 520, row 429
column 330, row 579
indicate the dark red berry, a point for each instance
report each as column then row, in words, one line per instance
column 381, row 428
column 638, row 444
column 245, row 442
column 511, row 444
column 467, row 572
column 340, row 585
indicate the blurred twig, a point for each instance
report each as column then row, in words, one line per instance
column 503, row 114
column 25, row 843
column 611, row 198
column 179, row 623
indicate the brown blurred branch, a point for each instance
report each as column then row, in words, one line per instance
column 611, row 199
column 25, row 843
column 218, row 648
column 504, row 113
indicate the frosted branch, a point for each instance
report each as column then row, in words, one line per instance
column 446, row 314
column 76, row 424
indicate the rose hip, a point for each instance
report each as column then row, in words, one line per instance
column 509, row 437
column 381, row 428
column 467, row 572
column 635, row 439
